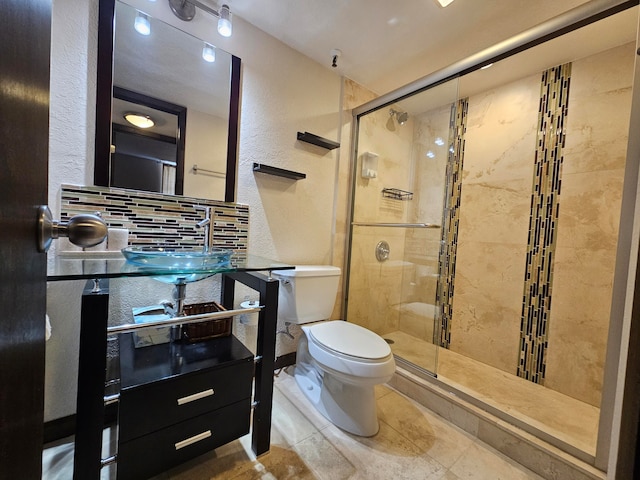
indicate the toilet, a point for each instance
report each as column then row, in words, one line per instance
column 337, row 363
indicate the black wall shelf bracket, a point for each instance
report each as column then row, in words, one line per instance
column 279, row 172
column 316, row 140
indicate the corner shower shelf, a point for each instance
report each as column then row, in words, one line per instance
column 397, row 194
column 279, row 172
column 316, row 140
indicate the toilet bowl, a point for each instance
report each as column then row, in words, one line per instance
column 338, row 363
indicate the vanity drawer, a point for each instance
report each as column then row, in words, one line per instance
column 147, row 408
column 151, row 454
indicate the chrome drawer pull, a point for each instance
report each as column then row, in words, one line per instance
column 195, row 396
column 192, row 440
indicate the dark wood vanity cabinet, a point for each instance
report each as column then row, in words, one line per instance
column 178, row 401
column 154, row 378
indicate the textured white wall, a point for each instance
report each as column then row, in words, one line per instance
column 282, row 92
column 71, row 140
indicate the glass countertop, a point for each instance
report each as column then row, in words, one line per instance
column 83, row 266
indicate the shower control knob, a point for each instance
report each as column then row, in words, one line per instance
column 84, row 230
column 382, row 251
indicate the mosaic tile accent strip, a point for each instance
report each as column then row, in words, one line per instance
column 451, row 218
column 543, row 223
column 157, row 219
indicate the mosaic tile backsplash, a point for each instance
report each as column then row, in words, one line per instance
column 157, row 219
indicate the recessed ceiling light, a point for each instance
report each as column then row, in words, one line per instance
column 486, row 66
column 444, row 3
column 139, row 120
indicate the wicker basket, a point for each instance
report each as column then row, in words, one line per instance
column 195, row 332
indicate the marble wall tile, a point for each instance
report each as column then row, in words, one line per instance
column 588, row 221
column 488, row 303
column 417, row 319
column 495, row 212
column 597, row 131
column 494, row 221
column 380, row 134
column 579, row 330
column 431, row 136
column 376, row 288
column 501, row 133
column 603, row 72
column 353, row 95
column 590, row 210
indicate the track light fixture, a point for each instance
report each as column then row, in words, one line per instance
column 186, row 9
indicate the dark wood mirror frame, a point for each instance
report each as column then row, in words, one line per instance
column 167, row 107
column 104, row 92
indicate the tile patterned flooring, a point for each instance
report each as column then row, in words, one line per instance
column 413, row 443
column 565, row 418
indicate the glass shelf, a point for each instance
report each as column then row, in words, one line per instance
column 114, row 265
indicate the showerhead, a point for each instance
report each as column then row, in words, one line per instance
column 401, row 117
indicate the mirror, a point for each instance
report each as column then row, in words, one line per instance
column 191, row 149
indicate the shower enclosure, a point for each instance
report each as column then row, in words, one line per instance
column 484, row 225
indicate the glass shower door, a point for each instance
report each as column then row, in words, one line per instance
column 396, row 226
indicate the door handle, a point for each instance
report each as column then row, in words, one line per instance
column 84, row 230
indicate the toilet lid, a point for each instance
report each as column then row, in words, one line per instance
column 350, row 339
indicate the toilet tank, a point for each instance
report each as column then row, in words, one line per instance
column 308, row 293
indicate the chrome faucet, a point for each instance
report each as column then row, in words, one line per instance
column 207, row 224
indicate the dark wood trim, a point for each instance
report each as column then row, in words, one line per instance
column 104, row 82
column 59, row 428
column 285, row 360
column 104, row 87
column 142, row 133
column 24, row 144
column 158, row 104
column 627, row 461
column 234, row 121
column 265, row 350
column 92, row 367
column 66, row 426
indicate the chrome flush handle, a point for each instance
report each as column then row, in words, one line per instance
column 84, row 230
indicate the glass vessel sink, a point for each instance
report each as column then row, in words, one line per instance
column 189, row 265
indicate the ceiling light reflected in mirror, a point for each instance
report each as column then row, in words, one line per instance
column 209, row 53
column 139, row 120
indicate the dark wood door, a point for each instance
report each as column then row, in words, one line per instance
column 24, row 132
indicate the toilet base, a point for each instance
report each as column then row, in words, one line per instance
column 350, row 407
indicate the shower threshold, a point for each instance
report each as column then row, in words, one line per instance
column 564, row 422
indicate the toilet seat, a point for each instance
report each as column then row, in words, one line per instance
column 356, row 369
column 350, row 340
